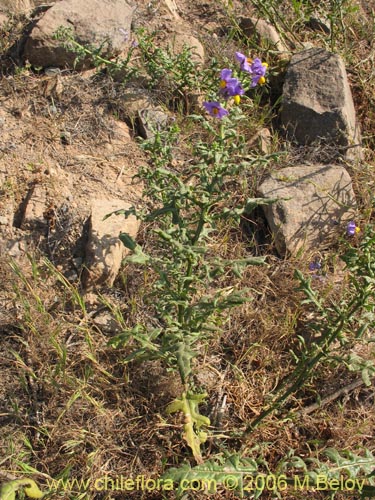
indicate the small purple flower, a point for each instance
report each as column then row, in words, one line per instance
column 225, row 74
column 215, row 109
column 315, row 266
column 229, row 87
column 257, row 71
column 352, row 229
column 244, row 61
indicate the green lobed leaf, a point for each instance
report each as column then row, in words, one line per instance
column 194, row 421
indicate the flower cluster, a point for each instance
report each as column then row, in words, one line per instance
column 232, row 87
column 255, row 67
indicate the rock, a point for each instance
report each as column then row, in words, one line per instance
column 319, row 199
column 132, row 101
column 119, row 134
column 15, row 245
column 317, row 104
column 93, row 23
column 263, row 30
column 151, row 120
column 181, row 38
column 141, row 112
column 172, row 8
column 106, row 323
column 43, row 199
column 34, row 208
column 16, row 6
column 104, row 250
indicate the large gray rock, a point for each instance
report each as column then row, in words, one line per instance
column 317, row 103
column 104, row 250
column 93, row 23
column 317, row 203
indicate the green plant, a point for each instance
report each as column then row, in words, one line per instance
column 176, row 71
column 187, row 208
column 338, row 11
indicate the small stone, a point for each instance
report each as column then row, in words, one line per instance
column 104, row 250
column 51, row 71
column 16, row 248
column 132, row 101
column 106, row 323
column 264, row 30
column 35, row 206
column 120, row 133
column 151, row 120
column 180, row 39
column 91, row 300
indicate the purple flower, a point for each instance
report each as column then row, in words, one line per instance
column 315, row 266
column 229, row 87
column 215, row 109
column 352, row 229
column 225, row 74
column 255, row 67
column 257, row 71
column 244, row 61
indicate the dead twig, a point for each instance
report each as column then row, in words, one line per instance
column 335, row 395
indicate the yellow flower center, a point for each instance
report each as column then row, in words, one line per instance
column 215, row 111
column 265, row 64
column 262, row 80
column 357, row 229
column 249, row 60
column 223, row 84
column 237, row 99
